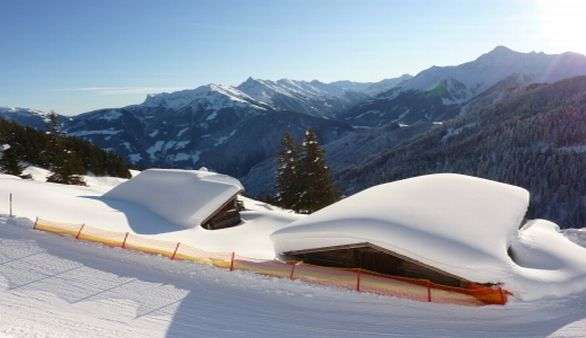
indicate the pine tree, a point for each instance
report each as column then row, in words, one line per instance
column 52, row 121
column 66, row 169
column 66, row 164
column 317, row 187
column 288, row 180
column 9, row 163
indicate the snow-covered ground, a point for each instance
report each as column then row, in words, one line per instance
column 76, row 204
column 58, row 287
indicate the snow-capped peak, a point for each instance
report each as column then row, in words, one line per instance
column 212, row 96
column 266, row 90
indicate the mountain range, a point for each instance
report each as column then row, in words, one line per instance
column 237, row 129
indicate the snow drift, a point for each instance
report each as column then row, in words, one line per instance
column 183, row 197
column 463, row 225
column 577, row 236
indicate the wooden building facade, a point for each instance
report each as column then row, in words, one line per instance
column 228, row 215
column 376, row 259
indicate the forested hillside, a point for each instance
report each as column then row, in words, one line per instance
column 43, row 149
column 536, row 140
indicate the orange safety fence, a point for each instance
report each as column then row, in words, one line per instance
column 353, row 279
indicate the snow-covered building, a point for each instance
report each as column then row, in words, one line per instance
column 448, row 228
column 189, row 198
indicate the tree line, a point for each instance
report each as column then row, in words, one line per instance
column 66, row 157
column 304, row 182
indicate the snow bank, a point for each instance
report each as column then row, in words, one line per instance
column 462, row 225
column 577, row 236
column 545, row 262
column 183, row 197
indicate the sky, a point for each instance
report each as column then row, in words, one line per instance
column 76, row 56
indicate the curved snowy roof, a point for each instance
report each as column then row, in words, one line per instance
column 183, row 197
column 460, row 224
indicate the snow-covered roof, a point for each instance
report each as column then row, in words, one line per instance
column 459, row 224
column 183, row 197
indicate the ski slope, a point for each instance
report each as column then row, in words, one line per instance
column 57, row 287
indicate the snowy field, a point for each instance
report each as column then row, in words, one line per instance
column 52, row 286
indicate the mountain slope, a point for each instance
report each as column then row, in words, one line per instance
column 216, row 126
column 39, row 148
column 536, row 139
column 409, row 106
column 24, row 116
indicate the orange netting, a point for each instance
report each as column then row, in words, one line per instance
column 354, row 279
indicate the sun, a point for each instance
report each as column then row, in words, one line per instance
column 563, row 24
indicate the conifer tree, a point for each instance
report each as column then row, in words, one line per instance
column 317, row 187
column 66, row 169
column 9, row 163
column 66, row 164
column 55, row 147
column 288, row 178
column 52, row 121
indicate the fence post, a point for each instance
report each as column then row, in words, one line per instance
column 79, row 232
column 358, row 281
column 232, row 262
column 292, row 271
column 124, row 241
column 175, row 252
column 10, row 202
column 428, row 291
column 35, row 224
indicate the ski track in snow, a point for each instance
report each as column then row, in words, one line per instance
column 57, row 287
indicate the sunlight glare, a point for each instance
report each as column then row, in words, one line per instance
column 564, row 24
